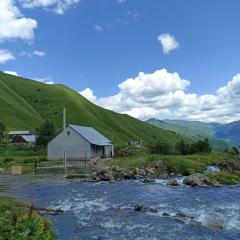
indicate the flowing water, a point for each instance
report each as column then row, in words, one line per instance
column 106, row 210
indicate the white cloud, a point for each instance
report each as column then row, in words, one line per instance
column 58, row 6
column 164, row 95
column 11, row 73
column 47, row 80
column 13, row 24
column 88, row 93
column 169, row 43
column 5, row 56
column 98, row 28
column 120, row 1
column 39, row 53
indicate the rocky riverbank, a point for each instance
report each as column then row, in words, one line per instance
column 101, row 172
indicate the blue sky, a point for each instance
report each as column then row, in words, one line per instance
column 99, row 44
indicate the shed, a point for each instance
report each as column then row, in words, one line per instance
column 83, row 143
column 24, row 139
column 17, row 133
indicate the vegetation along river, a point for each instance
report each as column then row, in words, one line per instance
column 106, row 210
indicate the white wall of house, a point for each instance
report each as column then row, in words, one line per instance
column 77, row 146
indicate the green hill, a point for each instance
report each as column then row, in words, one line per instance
column 194, row 129
column 24, row 104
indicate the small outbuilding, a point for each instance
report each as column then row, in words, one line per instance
column 24, row 140
column 82, row 143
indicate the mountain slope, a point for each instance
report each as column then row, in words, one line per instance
column 195, row 130
column 26, row 103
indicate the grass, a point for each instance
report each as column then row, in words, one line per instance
column 225, row 178
column 24, row 104
column 18, row 221
column 26, row 157
column 176, row 163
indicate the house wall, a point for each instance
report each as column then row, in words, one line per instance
column 77, row 147
column 109, row 151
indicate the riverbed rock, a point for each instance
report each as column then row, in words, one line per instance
column 142, row 208
column 149, row 180
column 166, row 214
column 215, row 225
column 121, row 173
column 172, row 182
column 197, row 179
column 105, row 175
column 180, row 215
column 138, row 208
column 160, row 166
column 140, row 172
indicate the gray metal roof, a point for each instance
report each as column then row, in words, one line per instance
column 91, row 135
column 19, row 132
column 29, row 138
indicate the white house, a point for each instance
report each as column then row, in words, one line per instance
column 83, row 143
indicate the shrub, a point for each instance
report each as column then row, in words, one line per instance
column 18, row 223
column 8, row 160
column 160, row 148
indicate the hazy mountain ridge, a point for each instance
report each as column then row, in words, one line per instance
column 220, row 135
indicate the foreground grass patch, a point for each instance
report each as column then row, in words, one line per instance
column 18, row 222
column 225, row 178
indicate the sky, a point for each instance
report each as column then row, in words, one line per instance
column 174, row 59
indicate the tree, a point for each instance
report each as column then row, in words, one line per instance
column 160, row 148
column 46, row 132
column 2, row 129
column 182, row 148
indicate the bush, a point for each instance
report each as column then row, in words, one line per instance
column 201, row 146
column 161, row 148
column 18, row 223
column 8, row 160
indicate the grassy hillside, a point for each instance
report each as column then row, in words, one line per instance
column 26, row 103
column 194, row 129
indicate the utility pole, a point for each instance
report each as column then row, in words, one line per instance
column 65, row 140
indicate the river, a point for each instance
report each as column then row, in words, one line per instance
column 106, row 210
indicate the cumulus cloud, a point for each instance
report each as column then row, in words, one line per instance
column 162, row 94
column 5, row 56
column 168, row 42
column 98, row 28
column 13, row 24
column 39, row 53
column 88, row 93
column 11, row 73
column 58, row 6
column 47, row 80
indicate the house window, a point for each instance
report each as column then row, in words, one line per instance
column 68, row 133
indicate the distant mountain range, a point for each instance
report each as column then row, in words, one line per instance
column 220, row 135
column 25, row 104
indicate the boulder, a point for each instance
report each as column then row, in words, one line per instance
column 2, row 171
column 140, row 172
column 166, row 214
column 215, row 225
column 197, row 179
column 172, row 182
column 148, row 180
column 139, row 208
column 123, row 173
column 142, row 208
column 96, row 165
column 180, row 215
column 105, row 175
column 160, row 166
